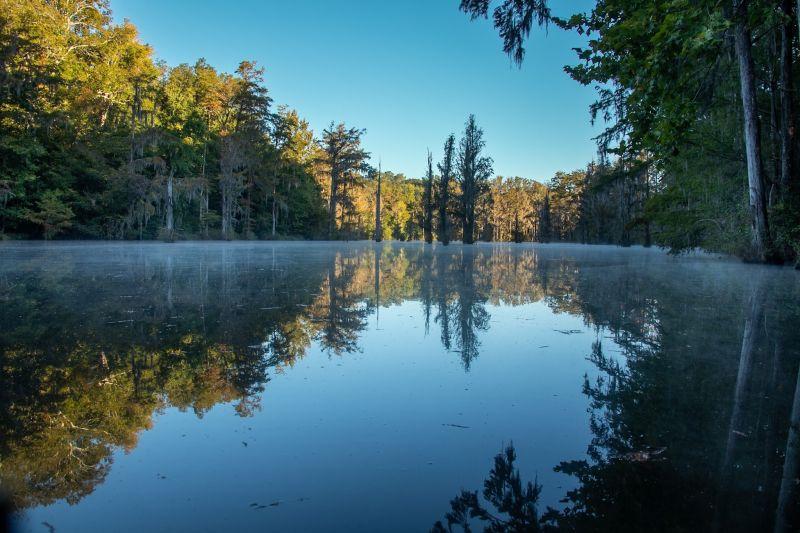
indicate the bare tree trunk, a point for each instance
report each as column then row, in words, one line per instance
column 752, row 135
column 274, row 210
column 427, row 223
column 170, row 202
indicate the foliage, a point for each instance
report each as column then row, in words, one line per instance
column 698, row 110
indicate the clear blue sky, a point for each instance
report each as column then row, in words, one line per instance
column 408, row 71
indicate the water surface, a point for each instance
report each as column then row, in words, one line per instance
column 361, row 387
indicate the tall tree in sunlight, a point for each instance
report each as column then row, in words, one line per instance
column 378, row 223
column 427, row 223
column 251, row 119
column 474, row 171
column 512, row 216
column 445, row 177
column 343, row 157
column 289, row 189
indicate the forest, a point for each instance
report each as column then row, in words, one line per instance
column 100, row 140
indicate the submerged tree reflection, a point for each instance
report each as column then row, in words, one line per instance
column 683, row 435
column 510, row 505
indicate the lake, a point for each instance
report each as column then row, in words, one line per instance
column 361, row 387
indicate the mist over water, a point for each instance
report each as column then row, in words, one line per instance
column 361, row 387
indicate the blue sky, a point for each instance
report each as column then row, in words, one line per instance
column 408, row 71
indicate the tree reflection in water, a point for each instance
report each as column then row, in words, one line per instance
column 511, row 505
column 683, row 440
column 684, row 436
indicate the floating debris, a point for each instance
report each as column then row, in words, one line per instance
column 456, row 426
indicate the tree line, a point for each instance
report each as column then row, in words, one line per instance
column 100, row 140
column 698, row 102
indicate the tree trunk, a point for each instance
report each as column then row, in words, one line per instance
column 226, row 212
column 771, row 189
column 170, row 210
column 332, row 205
column 427, row 223
column 787, row 103
column 204, row 192
column 758, row 207
column 468, row 225
column 274, row 210
column 444, row 230
column 467, row 237
column 378, row 223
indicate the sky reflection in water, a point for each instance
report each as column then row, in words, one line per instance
column 360, row 387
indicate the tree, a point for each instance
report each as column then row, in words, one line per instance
column 762, row 241
column 473, row 172
column 445, row 176
column 343, row 157
column 428, row 201
column 288, row 183
column 52, row 214
column 378, row 223
column 668, row 98
column 545, row 222
column 513, row 216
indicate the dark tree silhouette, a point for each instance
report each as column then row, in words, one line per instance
column 474, row 171
column 445, row 175
column 427, row 223
column 514, row 503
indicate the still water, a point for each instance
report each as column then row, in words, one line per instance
column 361, row 387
